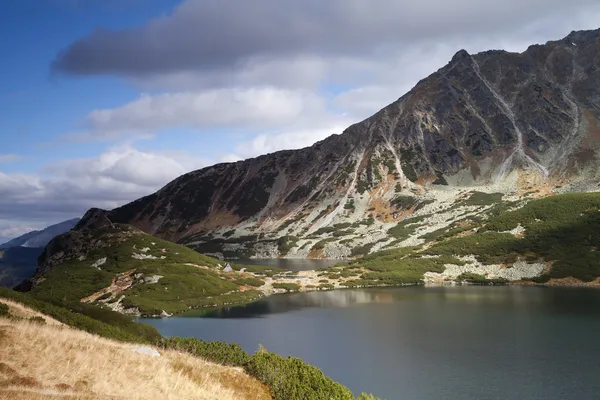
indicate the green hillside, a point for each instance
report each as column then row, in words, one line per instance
column 562, row 231
column 160, row 275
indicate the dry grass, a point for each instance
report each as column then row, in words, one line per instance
column 58, row 362
column 22, row 311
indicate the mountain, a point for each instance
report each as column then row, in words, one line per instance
column 494, row 122
column 41, row 238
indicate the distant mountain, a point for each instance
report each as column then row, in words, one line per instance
column 18, row 257
column 41, row 238
column 18, row 264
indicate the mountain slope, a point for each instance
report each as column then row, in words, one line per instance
column 501, row 121
column 41, row 238
column 51, row 360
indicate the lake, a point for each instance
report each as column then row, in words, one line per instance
column 427, row 343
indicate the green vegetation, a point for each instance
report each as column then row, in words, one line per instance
column 286, row 243
column 4, row 310
column 482, row 199
column 182, row 285
column 288, row 378
column 249, row 282
column 562, row 229
column 404, row 202
column 361, row 186
column 407, row 227
column 290, row 287
column 37, row 319
column 321, row 244
column 291, row 378
column 219, row 352
column 349, row 205
column 229, row 233
column 478, row 279
column 326, row 286
column 360, row 250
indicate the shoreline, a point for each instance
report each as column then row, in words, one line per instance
column 556, row 284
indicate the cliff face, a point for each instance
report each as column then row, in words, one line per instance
column 487, row 119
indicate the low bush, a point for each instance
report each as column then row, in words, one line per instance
column 38, row 320
column 291, row 378
column 249, row 282
column 4, row 310
column 290, row 287
column 218, row 352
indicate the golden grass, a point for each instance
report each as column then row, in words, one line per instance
column 57, row 362
column 22, row 311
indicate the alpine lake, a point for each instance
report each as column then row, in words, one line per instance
column 423, row 343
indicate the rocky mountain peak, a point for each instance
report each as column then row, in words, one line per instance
column 494, row 120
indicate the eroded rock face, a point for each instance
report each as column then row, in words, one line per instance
column 475, row 121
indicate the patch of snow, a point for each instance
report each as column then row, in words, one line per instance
column 152, row 279
column 143, row 256
column 145, row 249
column 98, row 263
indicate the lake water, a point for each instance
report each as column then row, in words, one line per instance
column 427, row 343
column 289, row 263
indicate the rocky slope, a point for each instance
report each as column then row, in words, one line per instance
column 496, row 121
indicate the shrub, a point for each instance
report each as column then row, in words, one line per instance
column 219, row 352
column 38, row 320
column 4, row 310
column 229, row 233
column 290, row 287
column 249, row 282
column 292, row 379
column 286, row 243
column 360, row 250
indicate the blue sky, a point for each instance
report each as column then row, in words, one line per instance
column 104, row 101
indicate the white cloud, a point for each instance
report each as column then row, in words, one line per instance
column 70, row 187
column 268, row 143
column 253, row 108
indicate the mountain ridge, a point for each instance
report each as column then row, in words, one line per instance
column 499, row 121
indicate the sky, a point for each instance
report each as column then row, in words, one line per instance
column 105, row 101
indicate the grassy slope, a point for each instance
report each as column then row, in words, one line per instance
column 40, row 361
column 182, row 286
column 562, row 229
column 45, row 361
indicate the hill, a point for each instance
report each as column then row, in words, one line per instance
column 126, row 270
column 49, row 351
column 551, row 241
column 493, row 122
column 45, row 359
